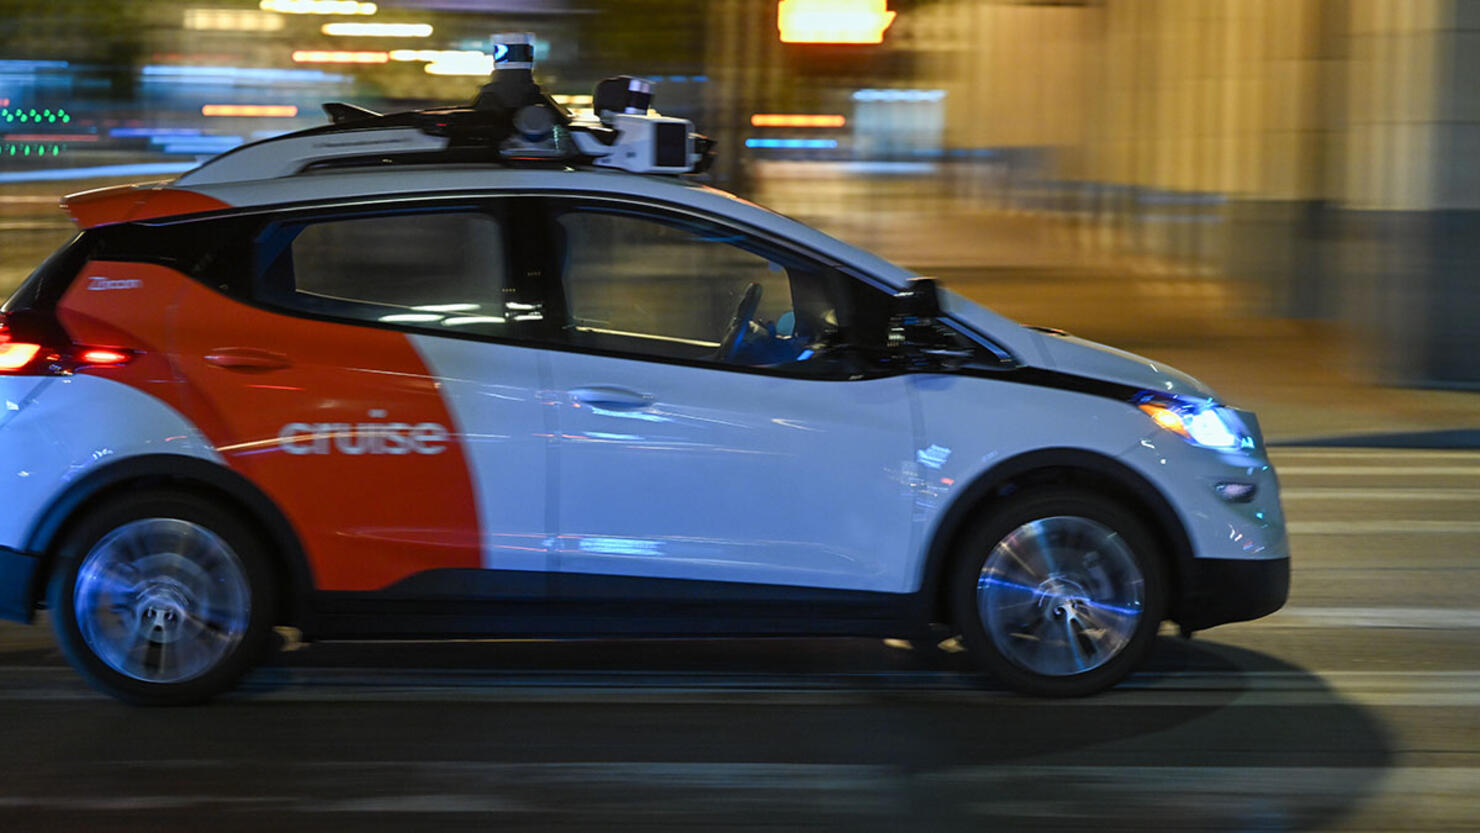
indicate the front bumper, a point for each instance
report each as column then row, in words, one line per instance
column 18, row 585
column 1221, row 590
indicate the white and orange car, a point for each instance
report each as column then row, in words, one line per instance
column 444, row 374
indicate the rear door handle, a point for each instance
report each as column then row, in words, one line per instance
column 247, row 359
column 611, row 398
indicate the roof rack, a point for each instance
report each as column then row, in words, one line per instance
column 512, row 121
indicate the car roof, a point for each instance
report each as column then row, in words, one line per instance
column 183, row 197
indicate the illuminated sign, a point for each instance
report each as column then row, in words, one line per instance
column 315, row 56
column 317, row 7
column 282, row 111
column 378, row 30
column 788, row 144
column 796, row 120
column 833, row 21
column 232, row 20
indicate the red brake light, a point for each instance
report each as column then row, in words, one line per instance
column 103, row 356
column 30, row 357
column 15, row 355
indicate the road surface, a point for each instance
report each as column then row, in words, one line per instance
column 1355, row 708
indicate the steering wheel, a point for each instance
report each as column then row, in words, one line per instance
column 740, row 324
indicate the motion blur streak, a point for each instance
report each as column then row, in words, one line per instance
column 1282, row 198
column 318, row 7
column 317, row 56
column 796, row 120
column 271, row 110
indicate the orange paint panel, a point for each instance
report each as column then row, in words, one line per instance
column 312, row 432
column 351, row 439
column 125, row 305
column 127, row 203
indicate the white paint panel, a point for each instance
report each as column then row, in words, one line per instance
column 738, row 477
column 72, row 427
column 982, row 422
column 493, row 392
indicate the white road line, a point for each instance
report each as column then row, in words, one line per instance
column 1430, row 618
column 1392, row 527
column 1352, row 452
column 1406, row 493
column 1370, row 471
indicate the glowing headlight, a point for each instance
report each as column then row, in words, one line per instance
column 1204, row 423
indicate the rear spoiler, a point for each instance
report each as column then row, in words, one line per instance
column 128, row 203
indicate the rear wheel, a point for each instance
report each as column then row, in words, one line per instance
column 161, row 598
column 1059, row 593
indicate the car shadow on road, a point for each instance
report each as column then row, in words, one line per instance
column 829, row 734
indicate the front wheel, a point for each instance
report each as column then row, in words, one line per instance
column 161, row 598
column 1059, row 593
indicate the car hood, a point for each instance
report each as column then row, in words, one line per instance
column 1082, row 357
column 1055, row 350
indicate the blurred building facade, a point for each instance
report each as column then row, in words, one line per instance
column 1322, row 152
column 1321, row 157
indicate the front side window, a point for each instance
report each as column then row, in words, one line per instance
column 443, row 271
column 683, row 288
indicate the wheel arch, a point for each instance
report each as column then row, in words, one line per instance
column 202, row 477
column 1056, row 466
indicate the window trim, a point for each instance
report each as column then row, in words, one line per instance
column 552, row 213
column 551, row 206
column 279, row 300
column 242, row 289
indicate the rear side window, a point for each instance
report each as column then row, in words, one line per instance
column 443, row 271
column 50, row 279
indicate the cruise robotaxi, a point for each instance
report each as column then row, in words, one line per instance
column 499, row 371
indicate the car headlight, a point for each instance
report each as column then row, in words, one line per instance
column 1201, row 422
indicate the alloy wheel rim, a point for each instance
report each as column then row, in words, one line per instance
column 162, row 600
column 1061, row 596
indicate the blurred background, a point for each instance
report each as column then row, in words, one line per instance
column 1152, row 172
column 1281, row 197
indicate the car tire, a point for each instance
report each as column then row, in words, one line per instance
column 161, row 598
column 1059, row 592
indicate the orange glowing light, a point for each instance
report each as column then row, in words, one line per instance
column 317, row 56
column 795, row 120
column 1165, row 417
column 271, row 110
column 100, row 355
column 833, row 21
column 15, row 355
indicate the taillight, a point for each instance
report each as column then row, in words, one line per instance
column 103, row 357
column 24, row 348
column 15, row 355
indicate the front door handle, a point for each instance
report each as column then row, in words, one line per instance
column 611, row 398
column 248, row 359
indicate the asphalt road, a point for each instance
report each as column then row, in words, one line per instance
column 1355, row 708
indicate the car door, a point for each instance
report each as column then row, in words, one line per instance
column 368, row 379
column 709, row 427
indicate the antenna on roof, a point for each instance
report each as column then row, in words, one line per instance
column 512, row 97
column 513, row 83
column 511, row 121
